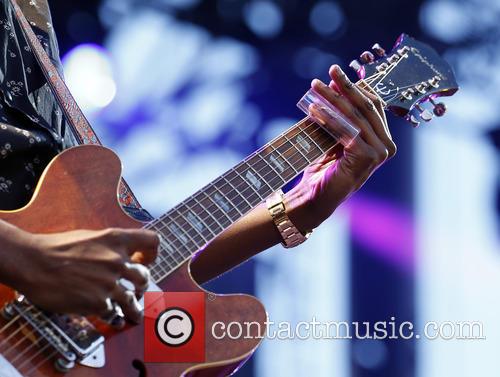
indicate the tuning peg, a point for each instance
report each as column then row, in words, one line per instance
column 367, row 57
column 439, row 108
column 413, row 120
column 355, row 65
column 378, row 49
column 425, row 114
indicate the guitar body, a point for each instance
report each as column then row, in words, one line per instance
column 78, row 190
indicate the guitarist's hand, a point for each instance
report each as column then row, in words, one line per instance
column 78, row 272
column 330, row 181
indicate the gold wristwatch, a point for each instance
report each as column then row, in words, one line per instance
column 289, row 233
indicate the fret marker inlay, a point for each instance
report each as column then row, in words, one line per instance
column 178, row 233
column 277, row 162
column 195, row 221
column 303, row 143
column 254, row 181
column 165, row 245
column 221, row 202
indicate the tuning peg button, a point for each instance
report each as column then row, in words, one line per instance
column 413, row 120
column 425, row 114
column 355, row 65
column 378, row 49
column 439, row 108
column 367, row 57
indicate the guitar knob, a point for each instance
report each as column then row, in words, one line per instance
column 378, row 49
column 439, row 108
column 367, row 57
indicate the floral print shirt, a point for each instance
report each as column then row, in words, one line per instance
column 32, row 127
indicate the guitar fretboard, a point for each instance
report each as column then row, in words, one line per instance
column 196, row 221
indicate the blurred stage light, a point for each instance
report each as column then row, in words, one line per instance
column 311, row 62
column 89, row 76
column 447, row 20
column 369, row 354
column 326, row 18
column 230, row 9
column 264, row 18
column 183, row 4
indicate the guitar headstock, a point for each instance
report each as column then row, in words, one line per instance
column 408, row 77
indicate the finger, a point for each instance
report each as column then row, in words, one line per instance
column 365, row 105
column 138, row 275
column 385, row 136
column 349, row 111
column 141, row 242
column 128, row 303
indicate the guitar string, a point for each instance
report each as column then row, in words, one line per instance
column 40, row 351
column 20, row 328
column 158, row 268
column 27, row 349
column 40, row 363
column 369, row 80
column 176, row 243
column 269, row 172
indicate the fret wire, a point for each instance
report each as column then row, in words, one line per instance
column 161, row 256
column 299, row 149
column 181, row 228
column 258, row 174
column 226, row 196
column 196, row 233
column 284, row 159
column 313, row 141
column 228, row 180
column 199, row 216
column 171, row 243
column 207, row 223
column 277, row 174
column 235, row 189
column 218, row 207
column 208, row 212
column 169, row 239
column 271, row 144
column 196, row 230
column 244, row 180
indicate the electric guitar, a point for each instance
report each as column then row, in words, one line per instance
column 78, row 190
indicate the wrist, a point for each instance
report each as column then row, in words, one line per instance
column 18, row 257
column 298, row 208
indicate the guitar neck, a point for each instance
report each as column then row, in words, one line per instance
column 196, row 221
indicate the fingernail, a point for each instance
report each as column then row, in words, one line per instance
column 317, row 82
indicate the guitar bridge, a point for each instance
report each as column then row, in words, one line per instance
column 75, row 338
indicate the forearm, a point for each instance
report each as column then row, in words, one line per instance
column 14, row 243
column 252, row 234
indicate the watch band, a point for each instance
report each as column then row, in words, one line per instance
column 289, row 233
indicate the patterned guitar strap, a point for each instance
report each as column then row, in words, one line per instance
column 74, row 115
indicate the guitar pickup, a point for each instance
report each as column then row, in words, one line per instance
column 323, row 113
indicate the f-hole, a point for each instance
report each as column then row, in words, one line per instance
column 141, row 368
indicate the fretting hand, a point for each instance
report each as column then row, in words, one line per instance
column 342, row 171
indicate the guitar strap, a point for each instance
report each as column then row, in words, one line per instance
column 74, row 115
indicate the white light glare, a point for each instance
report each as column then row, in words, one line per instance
column 88, row 73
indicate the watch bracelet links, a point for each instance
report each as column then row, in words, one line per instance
column 290, row 235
